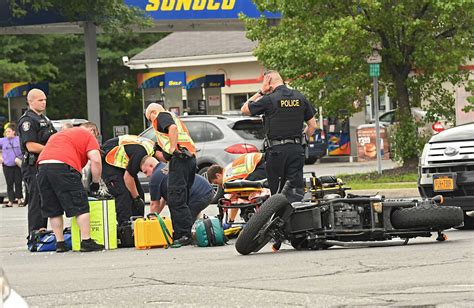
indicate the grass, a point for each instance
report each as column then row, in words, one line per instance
column 389, row 179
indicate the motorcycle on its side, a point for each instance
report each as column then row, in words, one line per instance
column 319, row 223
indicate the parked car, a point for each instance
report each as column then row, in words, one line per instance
column 317, row 147
column 58, row 124
column 219, row 139
column 390, row 117
column 446, row 168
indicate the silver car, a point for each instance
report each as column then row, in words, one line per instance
column 221, row 139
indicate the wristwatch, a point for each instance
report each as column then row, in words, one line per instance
column 261, row 92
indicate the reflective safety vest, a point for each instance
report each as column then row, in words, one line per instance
column 118, row 157
column 241, row 167
column 184, row 140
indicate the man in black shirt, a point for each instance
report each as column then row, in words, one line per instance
column 120, row 167
column 172, row 137
column 285, row 112
column 34, row 129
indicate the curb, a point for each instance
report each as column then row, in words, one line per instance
column 389, row 193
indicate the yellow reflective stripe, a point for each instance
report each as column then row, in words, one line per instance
column 163, row 139
column 121, row 158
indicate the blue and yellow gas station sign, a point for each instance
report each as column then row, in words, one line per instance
column 175, row 79
column 19, row 89
column 198, row 9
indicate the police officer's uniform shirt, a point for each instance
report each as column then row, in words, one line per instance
column 159, row 185
column 33, row 127
column 264, row 104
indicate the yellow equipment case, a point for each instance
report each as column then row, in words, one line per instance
column 153, row 231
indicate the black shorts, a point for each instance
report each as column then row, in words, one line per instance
column 61, row 191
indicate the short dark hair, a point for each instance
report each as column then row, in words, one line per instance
column 91, row 125
column 213, row 171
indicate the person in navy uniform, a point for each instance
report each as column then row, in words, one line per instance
column 34, row 129
column 285, row 111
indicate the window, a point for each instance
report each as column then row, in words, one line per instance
column 237, row 100
column 249, row 129
column 149, row 133
column 197, row 130
column 213, row 133
column 388, row 117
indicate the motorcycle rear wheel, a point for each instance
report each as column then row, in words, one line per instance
column 427, row 216
column 249, row 239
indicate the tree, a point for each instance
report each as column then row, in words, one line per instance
column 111, row 15
column 59, row 59
column 322, row 47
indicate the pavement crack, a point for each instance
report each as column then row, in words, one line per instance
column 380, row 268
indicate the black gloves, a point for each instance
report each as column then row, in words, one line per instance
column 138, row 206
column 94, row 188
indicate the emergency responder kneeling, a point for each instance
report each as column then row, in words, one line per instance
column 250, row 166
column 172, row 138
column 200, row 194
column 121, row 163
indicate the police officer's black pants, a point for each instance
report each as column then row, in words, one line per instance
column 180, row 179
column 35, row 218
column 113, row 178
column 284, row 163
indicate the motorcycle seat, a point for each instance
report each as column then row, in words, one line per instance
column 245, row 184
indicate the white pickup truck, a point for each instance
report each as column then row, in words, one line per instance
column 447, row 168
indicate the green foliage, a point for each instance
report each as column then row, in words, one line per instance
column 389, row 179
column 111, row 15
column 322, row 46
column 59, row 59
column 406, row 143
column 470, row 99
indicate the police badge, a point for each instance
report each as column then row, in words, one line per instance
column 26, row 126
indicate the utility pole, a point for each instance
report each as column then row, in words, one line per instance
column 374, row 71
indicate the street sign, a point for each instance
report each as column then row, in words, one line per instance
column 375, row 57
column 374, row 70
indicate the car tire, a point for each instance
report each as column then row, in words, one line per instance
column 310, row 160
column 202, row 170
column 427, row 216
column 468, row 223
column 218, row 193
column 249, row 239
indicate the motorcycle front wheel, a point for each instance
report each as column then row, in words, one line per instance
column 427, row 216
column 253, row 237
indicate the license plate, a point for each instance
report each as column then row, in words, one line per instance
column 443, row 183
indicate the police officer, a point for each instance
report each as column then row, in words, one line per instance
column 172, row 137
column 285, row 111
column 34, row 129
column 120, row 167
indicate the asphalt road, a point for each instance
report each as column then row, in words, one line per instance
column 423, row 273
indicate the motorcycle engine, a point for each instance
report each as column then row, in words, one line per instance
column 347, row 215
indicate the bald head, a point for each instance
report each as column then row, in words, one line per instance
column 148, row 164
column 152, row 111
column 273, row 78
column 36, row 100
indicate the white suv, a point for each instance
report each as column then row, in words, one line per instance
column 447, row 168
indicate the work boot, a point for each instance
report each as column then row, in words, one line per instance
column 183, row 240
column 61, row 246
column 90, row 245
